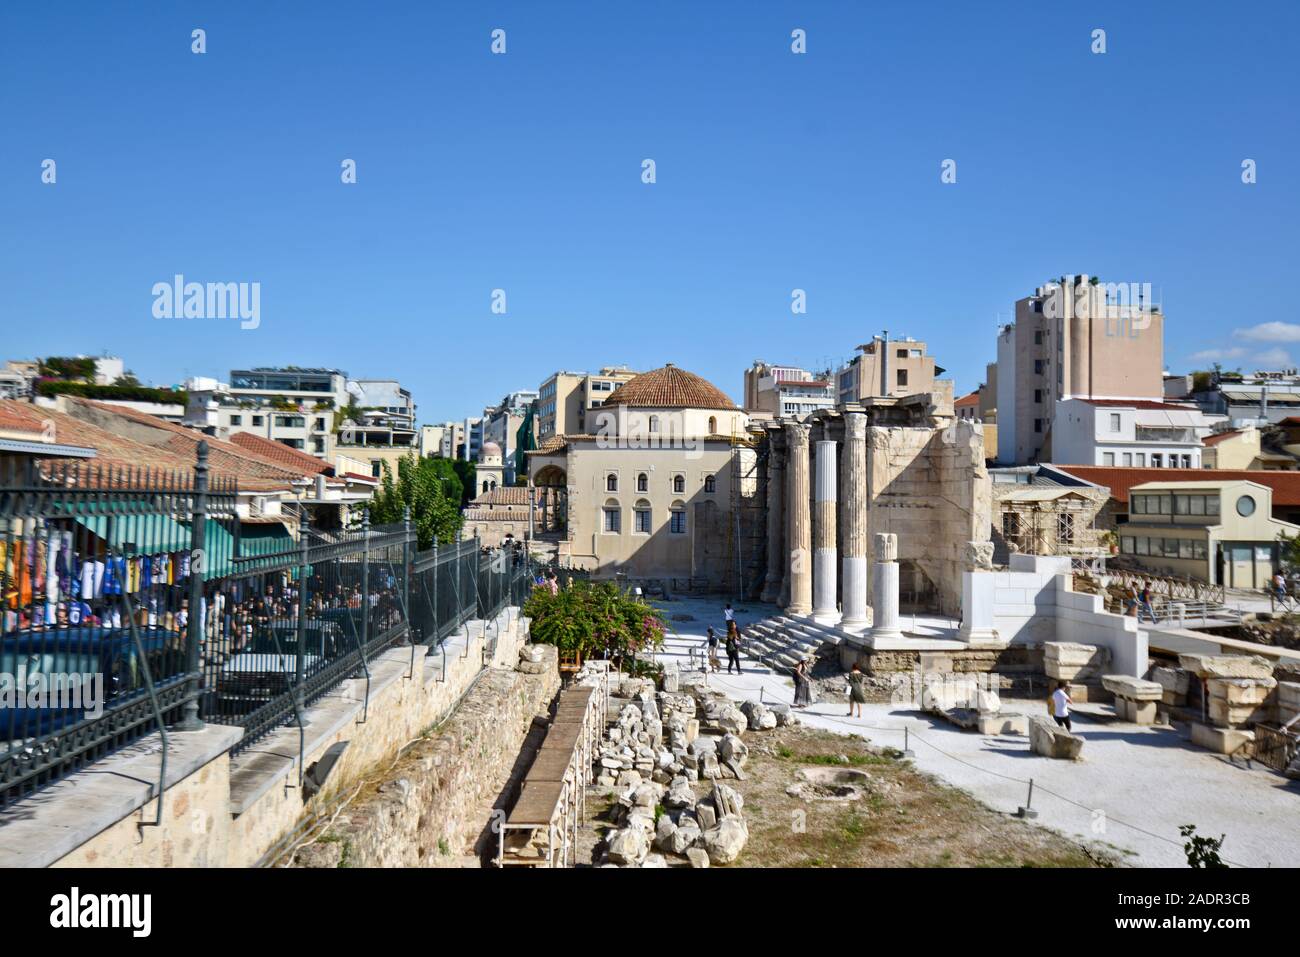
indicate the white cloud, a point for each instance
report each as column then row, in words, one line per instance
column 1277, row 358
column 1271, row 332
column 1218, row 355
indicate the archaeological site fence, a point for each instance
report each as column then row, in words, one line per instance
column 134, row 601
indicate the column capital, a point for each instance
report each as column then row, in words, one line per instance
column 796, row 435
column 855, row 425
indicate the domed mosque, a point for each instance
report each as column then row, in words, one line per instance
column 649, row 480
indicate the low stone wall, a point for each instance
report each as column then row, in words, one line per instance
column 223, row 812
column 430, row 809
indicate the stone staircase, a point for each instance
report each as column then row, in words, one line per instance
column 781, row 642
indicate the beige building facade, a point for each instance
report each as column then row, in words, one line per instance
column 1218, row 531
column 886, row 367
column 565, row 398
column 1073, row 338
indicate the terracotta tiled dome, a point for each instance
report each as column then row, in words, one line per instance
column 670, row 388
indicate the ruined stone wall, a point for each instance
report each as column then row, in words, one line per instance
column 433, row 807
column 930, row 487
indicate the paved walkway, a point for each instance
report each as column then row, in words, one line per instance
column 1133, row 789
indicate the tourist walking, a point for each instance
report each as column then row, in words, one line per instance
column 802, row 685
column 730, row 617
column 733, row 649
column 1145, row 598
column 712, row 641
column 857, row 691
column 1060, row 704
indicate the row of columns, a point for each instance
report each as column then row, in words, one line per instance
column 805, row 569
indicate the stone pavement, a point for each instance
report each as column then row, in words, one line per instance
column 1133, row 788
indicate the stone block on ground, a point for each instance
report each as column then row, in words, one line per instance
column 1174, row 684
column 1050, row 740
column 1220, row 740
column 1072, row 661
column 725, row 840
column 1227, row 666
column 758, row 716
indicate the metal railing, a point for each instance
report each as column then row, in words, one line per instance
column 137, row 594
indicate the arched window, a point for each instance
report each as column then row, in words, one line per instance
column 494, row 485
column 709, row 484
column 611, row 482
column 679, row 484
column 641, row 517
column 677, row 519
column 485, row 485
column 613, row 518
column 643, row 483
column 713, row 425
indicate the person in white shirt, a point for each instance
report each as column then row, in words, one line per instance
column 1061, row 705
column 730, row 617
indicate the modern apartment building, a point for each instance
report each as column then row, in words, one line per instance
column 886, row 367
column 1076, row 338
column 564, row 399
column 787, row 391
column 295, row 407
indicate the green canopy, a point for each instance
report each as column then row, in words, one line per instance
column 142, row 534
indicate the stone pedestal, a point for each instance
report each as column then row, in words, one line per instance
column 884, row 575
column 799, row 558
column 854, row 512
column 977, row 593
column 825, row 556
column 776, row 564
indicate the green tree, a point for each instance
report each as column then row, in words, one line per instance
column 435, row 510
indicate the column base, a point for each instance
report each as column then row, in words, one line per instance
column 798, row 611
column 854, row 626
column 826, row 617
column 885, row 634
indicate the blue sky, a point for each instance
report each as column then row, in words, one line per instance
column 522, row 172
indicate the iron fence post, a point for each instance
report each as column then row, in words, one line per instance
column 365, row 579
column 190, row 720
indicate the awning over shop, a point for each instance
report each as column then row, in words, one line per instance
column 138, row 534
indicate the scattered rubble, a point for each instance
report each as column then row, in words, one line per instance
column 661, row 746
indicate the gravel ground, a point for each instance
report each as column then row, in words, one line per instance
column 1133, row 789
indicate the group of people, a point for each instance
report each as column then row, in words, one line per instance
column 731, row 643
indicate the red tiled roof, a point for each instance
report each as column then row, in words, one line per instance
column 970, row 398
column 175, row 449
column 1285, row 485
column 670, row 388
column 279, row 452
column 1218, row 437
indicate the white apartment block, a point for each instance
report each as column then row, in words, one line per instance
column 1130, row 434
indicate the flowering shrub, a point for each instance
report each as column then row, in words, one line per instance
column 594, row 619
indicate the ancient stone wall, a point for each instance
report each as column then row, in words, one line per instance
column 432, row 809
column 930, row 487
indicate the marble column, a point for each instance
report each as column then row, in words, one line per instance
column 825, row 554
column 884, row 575
column 854, row 512
column 775, row 520
column 800, row 530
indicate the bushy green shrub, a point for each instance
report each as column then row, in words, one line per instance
column 594, row 619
